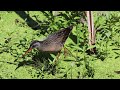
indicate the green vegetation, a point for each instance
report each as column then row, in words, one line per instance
column 16, row 36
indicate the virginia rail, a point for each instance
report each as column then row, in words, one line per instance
column 53, row 43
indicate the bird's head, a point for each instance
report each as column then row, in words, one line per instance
column 34, row 44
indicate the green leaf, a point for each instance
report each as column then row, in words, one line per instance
column 90, row 47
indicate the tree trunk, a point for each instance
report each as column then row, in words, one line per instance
column 91, row 30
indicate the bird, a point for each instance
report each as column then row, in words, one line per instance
column 53, row 43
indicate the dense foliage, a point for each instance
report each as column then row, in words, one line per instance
column 18, row 29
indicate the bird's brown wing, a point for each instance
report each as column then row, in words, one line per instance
column 59, row 37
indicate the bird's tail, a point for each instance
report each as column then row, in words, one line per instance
column 66, row 32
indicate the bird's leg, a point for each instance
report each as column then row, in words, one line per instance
column 65, row 52
column 57, row 57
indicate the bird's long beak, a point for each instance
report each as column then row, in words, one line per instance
column 27, row 52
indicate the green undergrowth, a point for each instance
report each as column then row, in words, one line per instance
column 16, row 36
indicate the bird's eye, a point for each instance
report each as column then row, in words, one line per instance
column 33, row 46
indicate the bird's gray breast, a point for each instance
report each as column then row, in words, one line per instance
column 51, row 47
